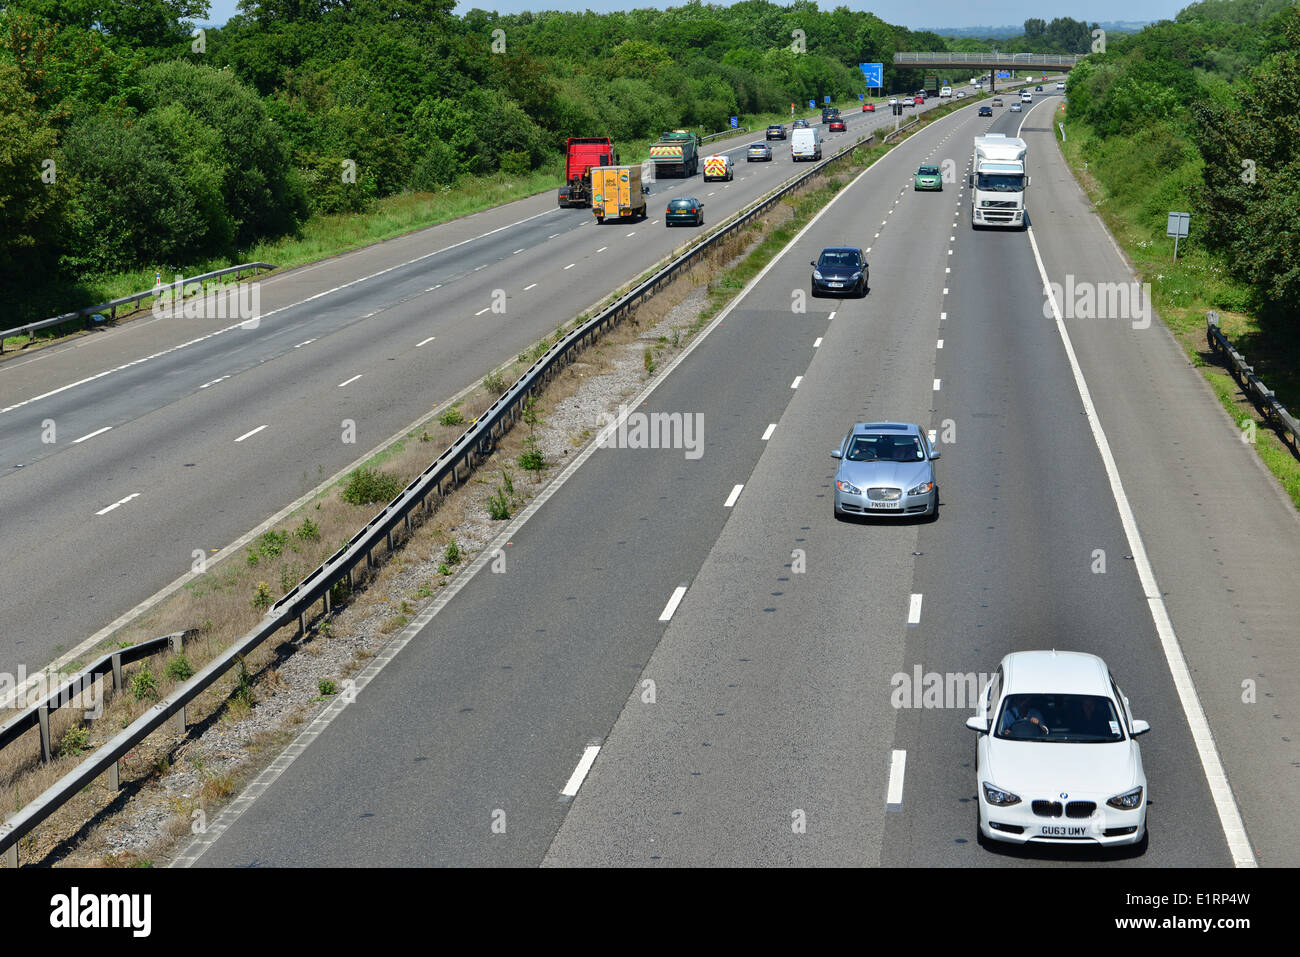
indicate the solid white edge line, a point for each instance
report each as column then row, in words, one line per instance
column 795, row 383
column 580, row 772
column 767, row 433
column 914, row 610
column 250, row 434
column 673, row 601
column 233, row 811
column 731, row 499
column 92, row 434
column 1234, row 829
column 897, row 770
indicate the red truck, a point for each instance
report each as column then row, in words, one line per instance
column 582, row 153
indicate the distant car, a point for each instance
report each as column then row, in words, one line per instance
column 886, row 468
column 986, row 110
column 919, row 100
column 836, row 125
column 1038, row 89
column 1060, row 84
column 799, row 124
column 893, row 101
column 776, row 132
column 1016, row 108
column 1057, row 761
column 868, row 107
column 997, row 101
column 840, row 269
column 927, row 177
column 758, row 151
column 687, row 210
column 960, row 94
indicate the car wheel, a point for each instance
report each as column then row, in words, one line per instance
column 701, row 220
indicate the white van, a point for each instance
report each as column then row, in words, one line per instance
column 1060, row 84
column 805, row 144
column 945, row 93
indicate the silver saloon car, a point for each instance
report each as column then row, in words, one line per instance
column 886, row 468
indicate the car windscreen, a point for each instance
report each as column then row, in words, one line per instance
column 885, row 448
column 1059, row 719
column 999, row 183
column 838, row 259
column 928, row 171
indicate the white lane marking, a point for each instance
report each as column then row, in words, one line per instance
column 307, row 343
column 948, row 269
column 580, row 772
column 945, row 290
column 950, row 252
column 602, row 249
column 831, row 316
column 215, row 381
column 942, row 316
column 817, row 343
column 425, row 342
column 352, row 380
column 952, row 239
column 477, row 268
column 105, row 511
column 1234, row 830
column 98, row 432
column 731, row 499
column 897, row 769
column 531, row 285
column 630, row 235
column 868, row 249
column 247, row 435
column 877, row 236
column 678, row 593
column 939, row 344
column 570, row 266
column 795, row 383
column 767, row 433
column 483, row 310
column 552, row 236
column 516, row 252
column 936, row 385
column 653, row 221
column 914, row 610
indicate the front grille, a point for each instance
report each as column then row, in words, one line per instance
column 1000, row 204
column 884, row 494
column 1047, row 808
column 1080, row 808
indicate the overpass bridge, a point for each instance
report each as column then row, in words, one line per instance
column 990, row 62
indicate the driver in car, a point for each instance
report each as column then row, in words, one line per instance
column 1020, row 709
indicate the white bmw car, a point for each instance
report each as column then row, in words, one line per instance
column 1057, row 761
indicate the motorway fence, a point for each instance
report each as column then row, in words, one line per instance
column 1260, row 395
column 89, row 313
column 338, row 576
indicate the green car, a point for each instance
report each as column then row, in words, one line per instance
column 928, row 177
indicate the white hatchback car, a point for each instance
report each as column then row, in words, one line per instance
column 1057, row 761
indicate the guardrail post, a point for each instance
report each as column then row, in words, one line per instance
column 176, row 643
column 43, row 719
column 178, row 721
column 117, row 671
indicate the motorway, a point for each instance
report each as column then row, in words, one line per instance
column 177, row 435
column 730, row 648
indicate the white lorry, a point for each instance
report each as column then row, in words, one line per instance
column 998, row 181
column 805, row 144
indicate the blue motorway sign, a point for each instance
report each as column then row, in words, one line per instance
column 874, row 73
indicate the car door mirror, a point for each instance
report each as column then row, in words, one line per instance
column 812, row 262
column 935, row 453
column 836, row 454
column 1140, row 727
column 978, row 724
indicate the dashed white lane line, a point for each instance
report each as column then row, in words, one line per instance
column 831, row 316
column 531, row 285
column 943, row 316
column 731, row 499
column 101, row 431
column 307, row 343
column 795, row 383
column 483, row 310
column 602, row 249
column 914, row 610
column 580, row 772
column 767, row 433
column 817, row 343
column 945, row 290
column 105, row 511
column 897, row 769
column 477, row 268
column 936, row 385
column 570, row 266
column 248, row 435
column 425, row 342
column 213, row 382
column 630, row 235
column 676, row 599
column 348, row 381
column 552, row 236
column 516, row 252
column 939, row 344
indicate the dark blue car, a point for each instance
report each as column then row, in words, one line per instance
column 840, row 270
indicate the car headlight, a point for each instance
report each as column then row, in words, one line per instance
column 1128, row 801
column 857, row 275
column 848, row 487
column 999, row 797
column 921, row 489
column 817, row 275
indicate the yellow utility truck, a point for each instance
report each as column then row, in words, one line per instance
column 617, row 193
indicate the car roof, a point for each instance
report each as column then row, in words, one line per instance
column 840, row 249
column 1062, row 672
column 903, row 428
column 684, row 199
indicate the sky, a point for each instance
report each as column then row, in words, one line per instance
column 908, row 13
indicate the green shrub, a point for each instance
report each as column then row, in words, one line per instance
column 365, row 486
column 262, row 597
column 308, row 531
column 144, row 686
column 75, row 741
column 327, row 687
column 452, row 417
column 452, row 553
column 179, row 669
column 498, row 505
